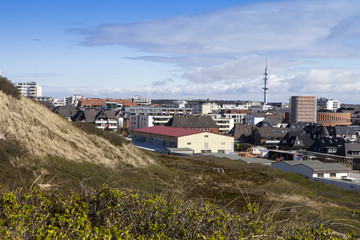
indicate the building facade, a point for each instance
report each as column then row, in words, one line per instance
column 197, row 141
column 328, row 119
column 29, row 89
column 140, row 121
column 303, row 109
column 331, row 104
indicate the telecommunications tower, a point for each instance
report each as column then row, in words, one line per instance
column 265, row 85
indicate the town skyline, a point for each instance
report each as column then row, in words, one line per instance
column 184, row 50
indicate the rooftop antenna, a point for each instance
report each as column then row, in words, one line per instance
column 265, row 85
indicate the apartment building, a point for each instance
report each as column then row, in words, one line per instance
column 29, row 89
column 151, row 116
column 237, row 114
column 303, row 109
column 202, row 107
column 225, row 123
column 331, row 104
column 140, row 121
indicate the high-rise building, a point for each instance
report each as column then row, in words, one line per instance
column 303, row 109
column 29, row 89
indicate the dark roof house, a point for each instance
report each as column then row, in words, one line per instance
column 201, row 123
column 268, row 135
column 67, row 112
column 328, row 145
column 295, row 139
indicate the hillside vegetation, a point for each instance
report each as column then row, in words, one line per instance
column 40, row 133
column 124, row 214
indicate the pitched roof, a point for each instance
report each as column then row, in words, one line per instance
column 66, row 111
column 90, row 116
column 317, row 165
column 295, row 138
column 347, row 148
column 242, row 129
column 191, row 121
column 272, row 132
column 168, row 131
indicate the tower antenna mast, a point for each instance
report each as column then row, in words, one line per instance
column 265, row 85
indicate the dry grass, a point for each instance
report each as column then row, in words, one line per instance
column 43, row 133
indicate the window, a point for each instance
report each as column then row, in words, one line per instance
column 320, row 175
column 222, row 143
column 189, row 143
column 205, row 151
column 332, row 174
column 206, row 136
column 221, row 151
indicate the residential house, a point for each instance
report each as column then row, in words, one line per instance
column 200, row 123
column 350, row 150
column 327, row 145
column 106, row 120
column 242, row 133
column 268, row 135
column 295, row 140
column 67, row 112
column 346, row 132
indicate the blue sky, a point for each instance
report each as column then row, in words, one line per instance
column 183, row 49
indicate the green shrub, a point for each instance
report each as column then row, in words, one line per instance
column 124, row 214
column 8, row 88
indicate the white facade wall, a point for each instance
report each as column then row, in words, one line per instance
column 225, row 124
column 29, row 89
column 328, row 103
column 238, row 117
column 140, row 121
column 207, row 142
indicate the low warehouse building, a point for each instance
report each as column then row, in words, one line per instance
column 313, row 169
column 197, row 141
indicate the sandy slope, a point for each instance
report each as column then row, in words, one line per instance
column 44, row 133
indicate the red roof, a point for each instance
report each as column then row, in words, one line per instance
column 168, row 131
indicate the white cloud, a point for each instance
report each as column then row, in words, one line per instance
column 223, row 53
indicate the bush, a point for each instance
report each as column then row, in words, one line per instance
column 8, row 88
column 124, row 214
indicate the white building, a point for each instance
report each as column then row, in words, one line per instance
column 158, row 115
column 225, row 124
column 141, row 101
column 140, row 121
column 313, row 169
column 74, row 99
column 328, row 103
column 203, row 107
column 29, row 89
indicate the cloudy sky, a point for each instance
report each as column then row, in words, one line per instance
column 183, row 49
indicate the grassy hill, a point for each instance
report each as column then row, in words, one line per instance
column 39, row 149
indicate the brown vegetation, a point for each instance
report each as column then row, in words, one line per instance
column 42, row 133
